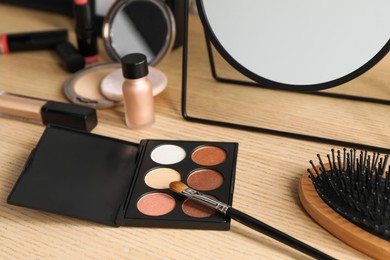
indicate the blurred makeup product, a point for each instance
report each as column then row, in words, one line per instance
column 85, row 88
column 101, row 9
column 57, row 40
column 85, row 30
column 71, row 59
column 119, row 183
column 131, row 26
column 45, row 112
column 82, row 88
column 29, row 41
column 137, row 91
column 227, row 210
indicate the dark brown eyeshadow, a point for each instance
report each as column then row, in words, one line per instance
column 205, row 179
column 196, row 209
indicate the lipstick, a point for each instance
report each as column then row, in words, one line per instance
column 40, row 111
column 28, row 41
column 85, row 30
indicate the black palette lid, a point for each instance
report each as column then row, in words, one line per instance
column 77, row 174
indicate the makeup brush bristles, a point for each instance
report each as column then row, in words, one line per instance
column 177, row 186
column 356, row 186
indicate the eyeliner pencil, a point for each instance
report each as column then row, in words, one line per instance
column 247, row 220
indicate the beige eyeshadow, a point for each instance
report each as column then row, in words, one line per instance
column 205, row 179
column 196, row 209
column 208, row 155
column 160, row 178
column 156, row 204
column 88, row 85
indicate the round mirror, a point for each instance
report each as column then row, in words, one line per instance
column 143, row 26
column 300, row 44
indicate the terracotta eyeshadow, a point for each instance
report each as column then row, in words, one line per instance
column 208, row 155
column 196, row 209
column 156, row 204
column 205, row 179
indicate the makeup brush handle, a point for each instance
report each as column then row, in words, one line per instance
column 275, row 234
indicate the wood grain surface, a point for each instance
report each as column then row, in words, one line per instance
column 268, row 167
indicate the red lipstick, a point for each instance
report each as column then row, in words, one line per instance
column 85, row 30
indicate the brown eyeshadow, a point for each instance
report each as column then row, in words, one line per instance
column 205, row 179
column 208, row 155
column 156, row 204
column 196, row 209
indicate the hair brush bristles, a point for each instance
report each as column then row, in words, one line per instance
column 356, row 186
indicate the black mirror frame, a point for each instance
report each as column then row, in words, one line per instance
column 277, row 85
column 298, row 136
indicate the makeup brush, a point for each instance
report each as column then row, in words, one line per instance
column 349, row 195
column 247, row 220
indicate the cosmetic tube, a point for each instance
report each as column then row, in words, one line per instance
column 45, row 112
column 85, row 30
column 71, row 59
column 28, row 41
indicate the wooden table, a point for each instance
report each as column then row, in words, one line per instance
column 268, row 169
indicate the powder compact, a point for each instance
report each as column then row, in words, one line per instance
column 100, row 86
column 119, row 183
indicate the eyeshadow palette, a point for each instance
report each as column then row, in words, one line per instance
column 120, row 183
column 205, row 166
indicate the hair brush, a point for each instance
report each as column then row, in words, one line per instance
column 349, row 195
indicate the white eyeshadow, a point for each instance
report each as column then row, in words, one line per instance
column 168, row 154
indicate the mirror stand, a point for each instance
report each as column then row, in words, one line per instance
column 254, row 84
column 250, row 128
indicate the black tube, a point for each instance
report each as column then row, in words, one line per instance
column 85, row 30
column 70, row 58
column 28, row 41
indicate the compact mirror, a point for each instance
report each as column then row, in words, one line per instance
column 301, row 44
column 144, row 26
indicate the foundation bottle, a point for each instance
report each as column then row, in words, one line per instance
column 137, row 91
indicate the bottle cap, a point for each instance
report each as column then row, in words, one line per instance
column 71, row 59
column 68, row 115
column 134, row 66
